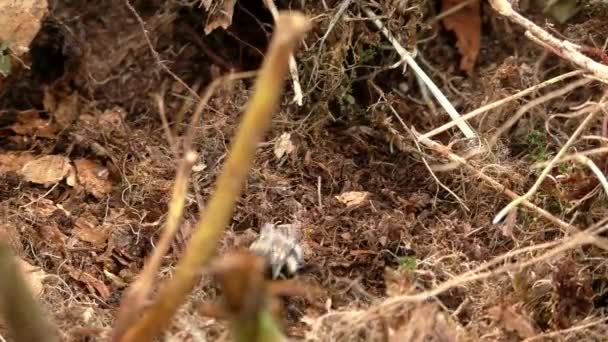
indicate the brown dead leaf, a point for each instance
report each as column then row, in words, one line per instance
column 466, row 24
column 87, row 229
column 352, row 197
column 65, row 111
column 111, row 119
column 511, row 320
column 47, row 170
column 33, row 276
column 13, row 162
column 30, row 123
column 21, row 21
column 93, row 284
column 93, row 177
column 219, row 14
column 51, row 234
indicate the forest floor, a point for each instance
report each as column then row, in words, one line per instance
column 397, row 231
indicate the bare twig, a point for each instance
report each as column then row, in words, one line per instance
column 594, row 110
column 575, row 328
column 525, row 108
column 497, row 186
column 574, row 156
column 565, row 49
column 407, row 57
column 498, row 103
column 596, row 170
column 293, row 67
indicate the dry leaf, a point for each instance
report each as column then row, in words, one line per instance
column 352, row 197
column 65, row 111
column 92, row 283
column 466, row 24
column 51, row 233
column 21, row 21
column 111, row 119
column 220, row 15
column 509, row 319
column 86, row 229
column 29, row 122
column 283, row 145
column 93, row 177
column 47, row 170
column 33, row 276
column 13, row 162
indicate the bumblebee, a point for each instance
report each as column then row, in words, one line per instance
column 279, row 245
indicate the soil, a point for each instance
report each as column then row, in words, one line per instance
column 90, row 94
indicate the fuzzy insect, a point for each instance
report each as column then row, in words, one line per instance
column 280, row 246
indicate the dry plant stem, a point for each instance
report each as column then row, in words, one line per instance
column 566, row 331
column 566, row 49
column 594, row 151
column 596, row 170
column 549, row 167
column 18, row 307
column 407, row 57
column 135, row 297
column 293, row 67
column 495, row 184
column 160, row 102
column 525, row 108
column 445, row 187
column 477, row 274
column 290, row 28
column 137, row 294
column 579, row 239
column 498, row 103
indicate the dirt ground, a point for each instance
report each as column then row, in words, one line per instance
column 393, row 230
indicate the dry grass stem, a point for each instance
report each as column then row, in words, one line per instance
column 601, row 242
column 562, row 332
column 574, row 156
column 595, row 108
column 136, row 296
column 298, row 97
column 407, row 57
column 596, row 170
column 525, row 108
column 390, row 305
column 563, row 48
column 498, row 103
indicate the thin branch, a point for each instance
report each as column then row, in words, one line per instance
column 498, row 103
column 293, row 67
column 594, row 110
column 546, row 97
column 565, row 49
column 407, row 57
